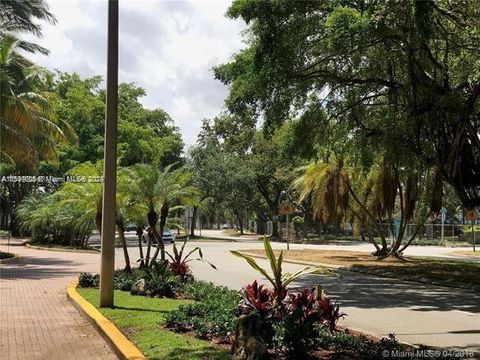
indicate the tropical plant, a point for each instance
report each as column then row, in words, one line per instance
column 330, row 313
column 29, row 127
column 179, row 262
column 51, row 221
column 88, row 280
column 212, row 316
column 159, row 280
column 257, row 298
column 371, row 195
column 19, row 17
column 278, row 278
column 158, row 190
column 305, row 312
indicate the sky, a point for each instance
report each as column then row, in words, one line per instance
column 168, row 47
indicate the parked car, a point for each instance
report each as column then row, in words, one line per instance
column 130, row 227
column 225, row 226
column 168, row 235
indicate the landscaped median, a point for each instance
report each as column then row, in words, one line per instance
column 443, row 272
column 166, row 314
column 6, row 256
column 135, row 327
column 122, row 346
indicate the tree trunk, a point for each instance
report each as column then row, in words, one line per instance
column 274, row 211
column 121, row 233
column 194, row 221
column 240, row 223
column 160, row 244
column 152, row 218
column 140, row 246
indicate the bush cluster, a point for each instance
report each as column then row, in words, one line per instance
column 292, row 324
column 214, row 316
column 159, row 280
column 87, row 280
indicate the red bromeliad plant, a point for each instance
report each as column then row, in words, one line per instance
column 181, row 269
column 305, row 301
column 330, row 313
column 257, row 298
column 279, row 279
column 179, row 263
column 316, row 307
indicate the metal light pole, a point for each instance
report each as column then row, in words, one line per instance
column 107, row 266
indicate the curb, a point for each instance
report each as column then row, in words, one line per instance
column 59, row 249
column 119, row 343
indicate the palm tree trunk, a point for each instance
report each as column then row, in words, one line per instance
column 121, row 233
column 160, row 244
column 152, row 218
column 140, row 247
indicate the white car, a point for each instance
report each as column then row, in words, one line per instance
column 168, row 235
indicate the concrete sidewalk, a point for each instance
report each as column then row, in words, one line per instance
column 37, row 321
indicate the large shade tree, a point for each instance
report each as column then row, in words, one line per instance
column 404, row 73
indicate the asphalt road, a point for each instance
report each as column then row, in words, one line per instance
column 416, row 313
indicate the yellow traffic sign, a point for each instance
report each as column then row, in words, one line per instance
column 471, row 214
column 286, row 209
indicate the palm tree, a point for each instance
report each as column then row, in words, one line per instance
column 19, row 17
column 137, row 213
column 89, row 195
column 327, row 183
column 371, row 195
column 171, row 187
column 157, row 189
column 28, row 126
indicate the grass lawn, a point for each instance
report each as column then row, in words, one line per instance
column 5, row 255
column 469, row 252
column 437, row 271
column 140, row 319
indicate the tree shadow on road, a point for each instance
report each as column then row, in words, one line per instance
column 373, row 292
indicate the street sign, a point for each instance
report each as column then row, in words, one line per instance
column 286, row 209
column 443, row 210
column 471, row 214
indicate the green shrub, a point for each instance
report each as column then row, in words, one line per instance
column 4, row 233
column 5, row 255
column 213, row 317
column 160, row 281
column 88, row 280
column 427, row 242
column 203, row 290
column 124, row 280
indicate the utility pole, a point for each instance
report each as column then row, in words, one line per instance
column 107, row 266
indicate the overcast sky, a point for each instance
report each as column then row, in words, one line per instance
column 167, row 47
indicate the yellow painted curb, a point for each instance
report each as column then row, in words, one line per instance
column 121, row 345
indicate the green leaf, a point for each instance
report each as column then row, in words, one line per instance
column 289, row 278
column 251, row 261
column 270, row 256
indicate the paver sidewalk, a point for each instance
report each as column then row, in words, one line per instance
column 37, row 321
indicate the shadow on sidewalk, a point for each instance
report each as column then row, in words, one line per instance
column 29, row 267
